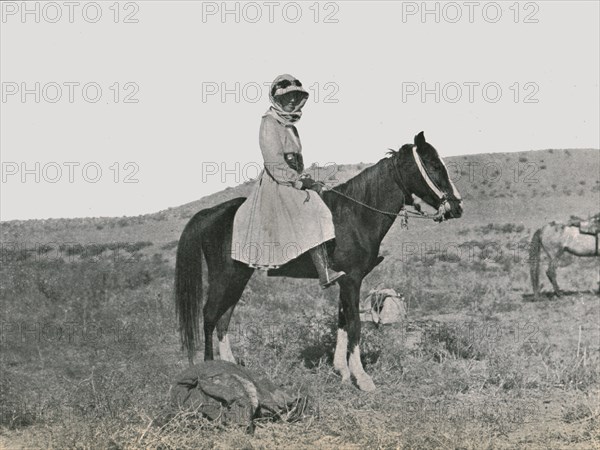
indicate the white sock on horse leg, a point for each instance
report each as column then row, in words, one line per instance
column 225, row 352
column 364, row 381
column 340, row 360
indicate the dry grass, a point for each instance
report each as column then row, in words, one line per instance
column 475, row 367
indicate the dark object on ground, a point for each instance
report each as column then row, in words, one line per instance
column 231, row 394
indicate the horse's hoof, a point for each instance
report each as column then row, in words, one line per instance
column 365, row 383
column 341, row 367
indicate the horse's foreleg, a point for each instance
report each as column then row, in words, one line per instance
column 340, row 358
column 349, row 295
column 551, row 272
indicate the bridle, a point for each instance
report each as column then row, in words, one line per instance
column 403, row 214
column 442, row 197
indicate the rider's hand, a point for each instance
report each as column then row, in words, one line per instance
column 318, row 187
column 307, row 182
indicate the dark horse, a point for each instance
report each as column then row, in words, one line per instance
column 364, row 208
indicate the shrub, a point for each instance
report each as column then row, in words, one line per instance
column 123, row 222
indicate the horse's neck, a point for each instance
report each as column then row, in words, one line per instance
column 376, row 186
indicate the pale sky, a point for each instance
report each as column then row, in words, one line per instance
column 509, row 77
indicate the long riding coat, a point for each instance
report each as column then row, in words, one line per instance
column 278, row 221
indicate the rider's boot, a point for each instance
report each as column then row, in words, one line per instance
column 327, row 276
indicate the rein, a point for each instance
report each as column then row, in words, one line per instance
column 403, row 214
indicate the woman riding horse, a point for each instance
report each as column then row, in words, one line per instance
column 281, row 219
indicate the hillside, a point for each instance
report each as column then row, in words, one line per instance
column 526, row 188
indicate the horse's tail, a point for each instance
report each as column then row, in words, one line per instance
column 188, row 286
column 534, row 261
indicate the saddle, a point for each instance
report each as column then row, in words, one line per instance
column 587, row 226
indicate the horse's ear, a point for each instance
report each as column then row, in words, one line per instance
column 420, row 140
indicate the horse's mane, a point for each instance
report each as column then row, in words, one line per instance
column 372, row 185
column 364, row 180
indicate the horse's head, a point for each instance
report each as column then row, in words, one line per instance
column 426, row 176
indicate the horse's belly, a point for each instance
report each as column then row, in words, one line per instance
column 581, row 244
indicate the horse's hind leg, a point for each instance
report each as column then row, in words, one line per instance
column 224, row 291
column 225, row 352
column 212, row 311
column 551, row 272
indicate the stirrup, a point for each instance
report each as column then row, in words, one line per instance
column 333, row 280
